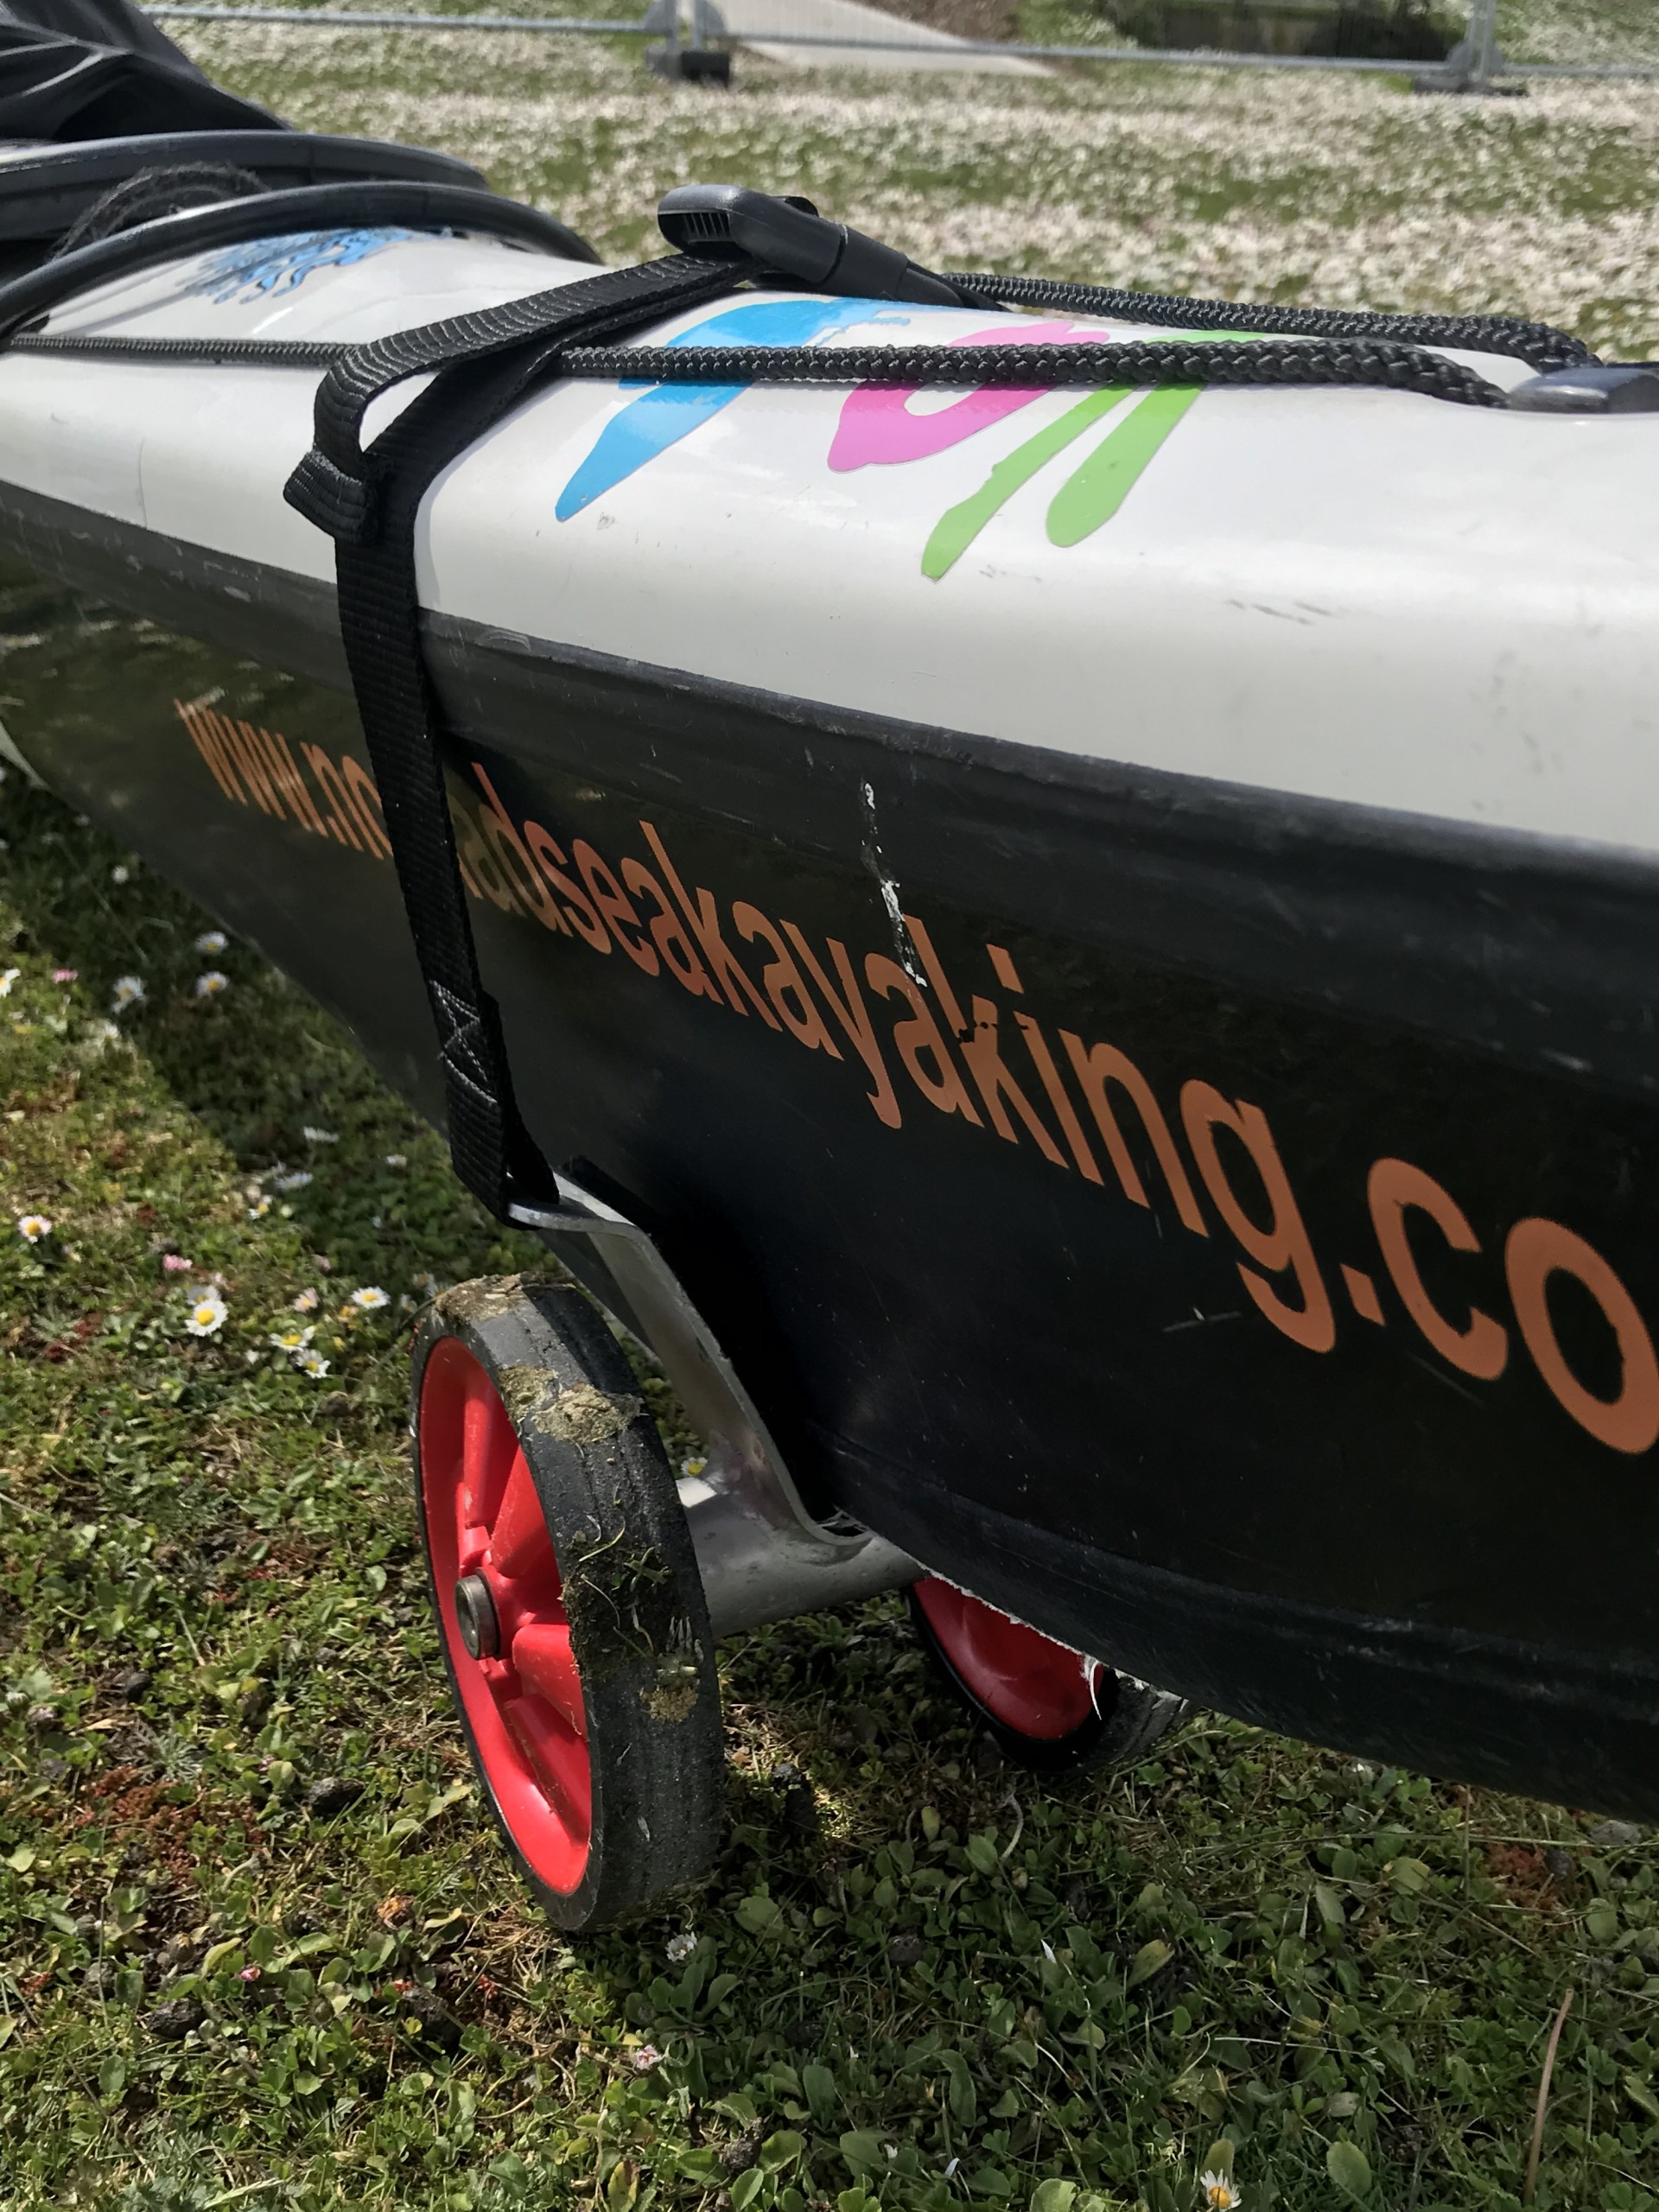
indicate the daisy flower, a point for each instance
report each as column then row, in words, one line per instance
column 296, row 1181
column 174, row 1263
column 33, row 1226
column 370, row 1297
column 646, row 2058
column 397, row 1160
column 307, row 1302
column 290, row 1339
column 259, row 1209
column 1219, row 2194
column 208, row 1315
column 128, row 991
column 405, row 1303
column 7, row 980
column 312, row 1363
column 210, row 985
column 211, row 941
column 120, row 876
column 680, row 1947
column 65, row 975
column 320, row 1137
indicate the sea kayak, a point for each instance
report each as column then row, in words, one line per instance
column 1105, row 937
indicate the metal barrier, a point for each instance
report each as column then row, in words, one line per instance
column 1475, row 66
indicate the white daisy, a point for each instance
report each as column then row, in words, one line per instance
column 7, row 980
column 680, row 1947
column 208, row 1315
column 1219, row 2194
column 128, row 991
column 296, row 1181
column 320, row 1137
column 307, row 1302
column 291, row 1339
column 312, row 1363
column 370, row 1297
column 33, row 1226
column 210, row 985
column 259, row 1209
column 397, row 1160
column 211, row 941
column 120, row 876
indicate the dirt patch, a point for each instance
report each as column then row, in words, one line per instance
column 585, row 1416
column 1522, row 1871
column 673, row 1696
column 137, row 1809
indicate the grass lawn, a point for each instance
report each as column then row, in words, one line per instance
column 257, row 1943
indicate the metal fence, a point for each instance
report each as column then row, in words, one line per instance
column 694, row 36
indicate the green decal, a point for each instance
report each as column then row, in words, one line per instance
column 1099, row 488
column 957, row 529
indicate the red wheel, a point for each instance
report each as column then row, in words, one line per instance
column 1048, row 1707
column 501, row 1606
column 573, row 1627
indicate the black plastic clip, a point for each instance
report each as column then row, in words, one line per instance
column 728, row 222
column 1597, row 388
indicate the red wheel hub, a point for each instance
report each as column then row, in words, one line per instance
column 509, row 1642
column 1028, row 1682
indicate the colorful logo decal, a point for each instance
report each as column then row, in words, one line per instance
column 266, row 265
column 668, row 412
column 879, row 425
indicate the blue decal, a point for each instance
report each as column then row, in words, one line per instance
column 668, row 412
column 265, row 265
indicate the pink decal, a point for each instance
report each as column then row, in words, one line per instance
column 876, row 424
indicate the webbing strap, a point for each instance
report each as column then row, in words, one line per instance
column 370, row 502
column 333, row 486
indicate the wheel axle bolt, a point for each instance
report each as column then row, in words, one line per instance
column 480, row 1632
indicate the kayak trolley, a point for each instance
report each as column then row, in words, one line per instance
column 580, row 1588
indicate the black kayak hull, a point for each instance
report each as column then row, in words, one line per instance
column 1251, row 1292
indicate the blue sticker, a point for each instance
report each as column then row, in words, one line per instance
column 665, row 413
column 267, row 265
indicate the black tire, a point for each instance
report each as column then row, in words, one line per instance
column 638, row 1626
column 1127, row 1718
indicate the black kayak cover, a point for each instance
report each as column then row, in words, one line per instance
column 100, row 69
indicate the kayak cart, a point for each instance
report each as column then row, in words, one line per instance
column 1050, row 895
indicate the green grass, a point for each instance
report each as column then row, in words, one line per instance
column 1299, row 187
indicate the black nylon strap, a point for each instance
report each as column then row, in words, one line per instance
column 334, row 485
column 370, row 503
